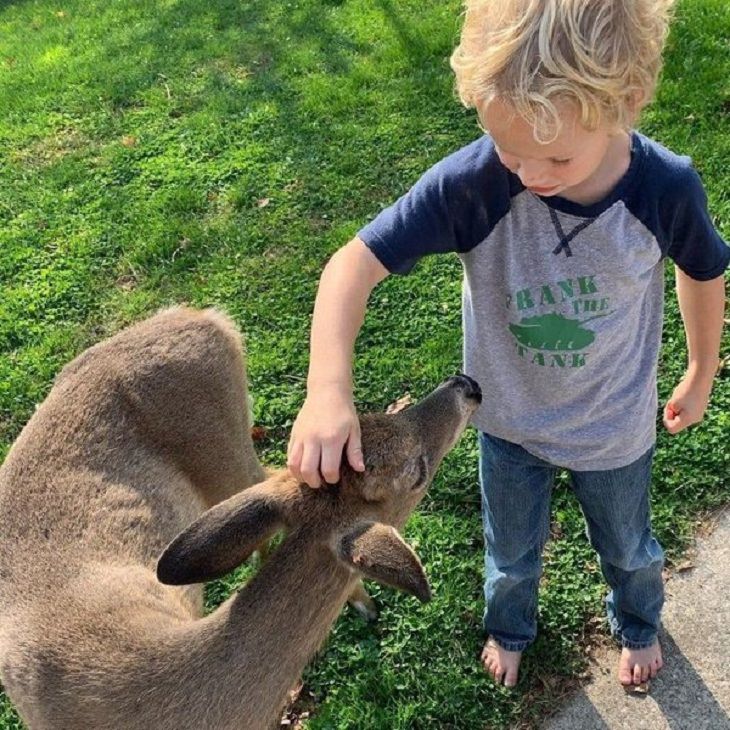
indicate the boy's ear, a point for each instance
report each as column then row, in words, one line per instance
column 221, row 538
column 379, row 552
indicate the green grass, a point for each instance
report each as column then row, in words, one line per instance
column 219, row 153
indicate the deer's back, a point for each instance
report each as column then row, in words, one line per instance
column 128, row 448
column 104, row 466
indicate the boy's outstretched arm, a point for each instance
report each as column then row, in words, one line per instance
column 328, row 421
column 702, row 304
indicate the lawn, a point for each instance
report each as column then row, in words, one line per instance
column 217, row 154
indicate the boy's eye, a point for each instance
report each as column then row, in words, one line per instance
column 560, row 162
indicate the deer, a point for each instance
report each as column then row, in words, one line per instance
column 135, row 482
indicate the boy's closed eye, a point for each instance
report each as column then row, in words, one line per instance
column 511, row 160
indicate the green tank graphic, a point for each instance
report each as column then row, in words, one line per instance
column 554, row 332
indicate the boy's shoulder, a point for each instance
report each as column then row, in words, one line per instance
column 670, row 201
column 474, row 159
column 474, row 172
column 664, row 184
column 664, row 171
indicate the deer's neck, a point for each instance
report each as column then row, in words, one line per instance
column 258, row 642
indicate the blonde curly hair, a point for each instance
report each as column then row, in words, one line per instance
column 602, row 56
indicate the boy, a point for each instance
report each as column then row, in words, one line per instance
column 562, row 216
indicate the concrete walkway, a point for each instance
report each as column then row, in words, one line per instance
column 692, row 691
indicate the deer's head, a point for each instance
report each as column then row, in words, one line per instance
column 358, row 518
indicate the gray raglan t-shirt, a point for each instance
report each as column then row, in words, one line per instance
column 562, row 303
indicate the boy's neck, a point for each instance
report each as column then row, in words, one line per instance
column 613, row 167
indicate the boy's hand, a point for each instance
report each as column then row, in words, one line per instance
column 687, row 404
column 326, row 423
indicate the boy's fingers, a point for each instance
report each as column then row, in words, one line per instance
column 293, row 453
column 671, row 411
column 309, row 467
column 294, row 460
column 354, row 452
column 672, row 419
column 331, row 458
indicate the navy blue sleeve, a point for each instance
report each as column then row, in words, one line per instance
column 671, row 202
column 453, row 207
column 693, row 242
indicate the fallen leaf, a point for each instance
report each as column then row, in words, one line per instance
column 129, row 141
column 289, row 718
column 294, row 693
column 259, row 433
column 401, row 404
column 637, row 689
column 263, row 202
column 127, row 282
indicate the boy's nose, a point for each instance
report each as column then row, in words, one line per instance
column 531, row 174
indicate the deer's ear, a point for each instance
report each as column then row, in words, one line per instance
column 221, row 538
column 379, row 552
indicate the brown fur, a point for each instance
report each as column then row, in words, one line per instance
column 142, row 449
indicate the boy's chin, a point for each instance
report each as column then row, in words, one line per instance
column 547, row 192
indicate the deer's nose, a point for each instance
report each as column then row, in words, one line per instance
column 469, row 387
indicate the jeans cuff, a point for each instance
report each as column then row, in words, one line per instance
column 621, row 640
column 628, row 644
column 511, row 645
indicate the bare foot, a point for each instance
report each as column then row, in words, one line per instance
column 500, row 663
column 637, row 666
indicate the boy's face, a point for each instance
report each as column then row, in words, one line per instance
column 574, row 160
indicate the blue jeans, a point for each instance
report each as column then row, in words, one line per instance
column 516, row 488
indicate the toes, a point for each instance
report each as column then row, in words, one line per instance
column 487, row 657
column 491, row 665
column 624, row 674
column 500, row 664
column 510, row 679
column 487, row 650
column 637, row 667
